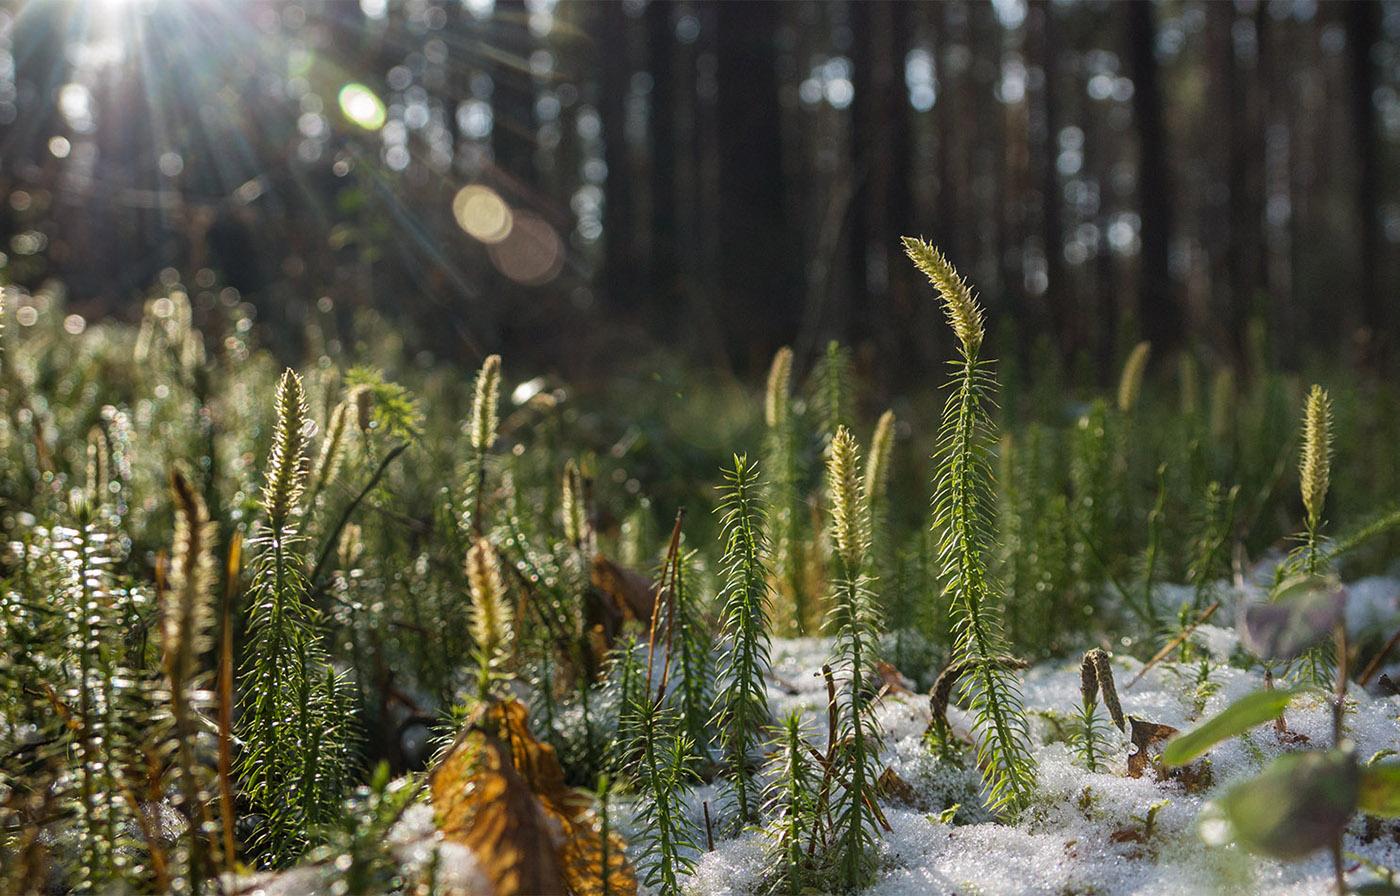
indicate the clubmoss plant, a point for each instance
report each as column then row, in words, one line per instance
column 1089, row 738
column 1316, row 666
column 832, row 388
column 186, row 621
column 877, row 487
column 1315, row 474
column 624, row 698
column 694, row 679
column 742, row 710
column 1094, row 447
column 1095, row 679
column 573, row 506
column 792, row 804
column 1130, row 382
column 667, row 751
column 481, row 435
column 667, row 843
column 332, row 450
column 1188, row 380
column 491, row 625
column 856, row 620
column 963, row 509
column 95, row 697
column 1210, row 555
column 780, row 460
column 293, row 723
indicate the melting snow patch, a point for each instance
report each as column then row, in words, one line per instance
column 1084, row 832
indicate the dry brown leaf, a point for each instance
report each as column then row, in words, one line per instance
column 582, row 859
column 501, row 792
column 1194, row 777
column 1145, row 735
column 451, row 782
column 895, row 683
column 631, row 592
column 512, row 837
column 895, row 788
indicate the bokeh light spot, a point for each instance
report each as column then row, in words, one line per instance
column 361, row 106
column 75, row 324
column 532, row 253
column 482, row 213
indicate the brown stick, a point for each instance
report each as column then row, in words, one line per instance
column 673, row 559
column 1375, row 665
column 235, row 557
column 1175, row 642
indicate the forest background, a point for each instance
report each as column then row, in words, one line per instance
column 556, row 181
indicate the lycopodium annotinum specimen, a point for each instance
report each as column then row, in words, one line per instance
column 963, row 518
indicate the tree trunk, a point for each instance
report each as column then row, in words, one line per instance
column 623, row 265
column 1058, row 306
column 881, row 149
column 1159, row 314
column 1363, row 20
column 760, row 267
column 513, row 96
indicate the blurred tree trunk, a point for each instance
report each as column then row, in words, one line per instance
column 1239, row 238
column 1159, row 313
column 624, row 268
column 513, row 94
column 660, row 283
column 759, row 260
column 1058, row 307
column 881, row 148
column 1363, row 26
column 1015, row 188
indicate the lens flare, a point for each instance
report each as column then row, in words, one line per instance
column 362, row 106
column 532, row 254
column 482, row 213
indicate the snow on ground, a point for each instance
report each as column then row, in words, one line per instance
column 1087, row 832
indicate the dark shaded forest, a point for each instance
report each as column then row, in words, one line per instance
column 568, row 181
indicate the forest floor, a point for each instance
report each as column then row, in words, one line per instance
column 1101, row 832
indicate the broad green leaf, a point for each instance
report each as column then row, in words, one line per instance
column 1295, row 806
column 1238, row 717
column 1380, row 789
column 1302, row 611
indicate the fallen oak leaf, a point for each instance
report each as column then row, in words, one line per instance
column 595, row 865
column 632, row 593
column 894, row 788
column 511, row 834
column 894, row 682
column 1144, row 736
column 496, row 765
